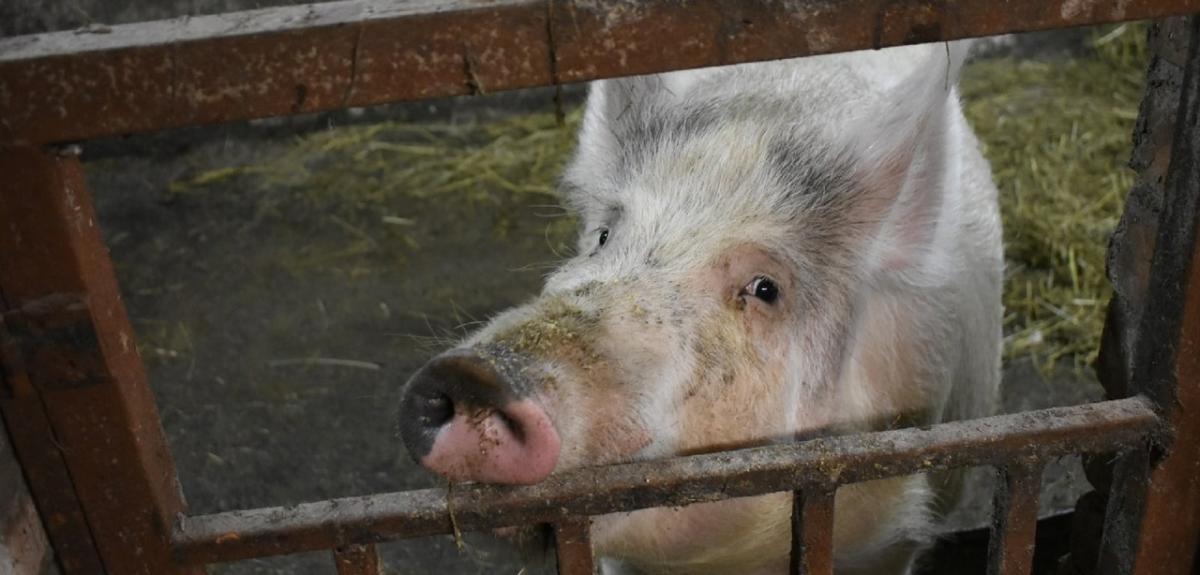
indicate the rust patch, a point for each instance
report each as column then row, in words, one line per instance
column 357, row 560
column 812, row 532
column 1014, row 520
column 572, row 540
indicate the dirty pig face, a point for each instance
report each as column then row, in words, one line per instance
column 663, row 361
column 757, row 259
column 610, row 365
column 683, row 325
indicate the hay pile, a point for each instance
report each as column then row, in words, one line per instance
column 1057, row 134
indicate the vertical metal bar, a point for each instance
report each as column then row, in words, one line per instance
column 70, row 350
column 1152, row 527
column 573, row 543
column 26, row 548
column 357, row 560
column 1131, row 249
column 44, row 467
column 812, row 531
column 1014, row 520
column 1124, row 512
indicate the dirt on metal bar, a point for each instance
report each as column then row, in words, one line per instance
column 1036, row 435
column 67, row 86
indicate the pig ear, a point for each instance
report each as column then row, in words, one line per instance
column 612, row 103
column 608, row 102
column 904, row 158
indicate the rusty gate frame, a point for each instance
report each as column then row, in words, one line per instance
column 81, row 415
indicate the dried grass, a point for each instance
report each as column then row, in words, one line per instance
column 1058, row 136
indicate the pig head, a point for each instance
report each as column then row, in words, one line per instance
column 767, row 252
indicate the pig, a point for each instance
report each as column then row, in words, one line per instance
column 768, row 252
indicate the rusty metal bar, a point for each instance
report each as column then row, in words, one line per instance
column 86, row 415
column 1153, row 526
column 69, row 86
column 999, row 440
column 43, row 465
column 357, row 560
column 812, row 531
column 573, row 543
column 1014, row 520
column 1130, row 252
column 1124, row 513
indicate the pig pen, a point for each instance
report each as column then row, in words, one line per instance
column 284, row 277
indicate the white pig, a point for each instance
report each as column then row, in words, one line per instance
column 767, row 251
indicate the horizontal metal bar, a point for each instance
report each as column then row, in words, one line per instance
column 77, row 85
column 1030, row 436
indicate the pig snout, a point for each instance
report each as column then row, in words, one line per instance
column 465, row 420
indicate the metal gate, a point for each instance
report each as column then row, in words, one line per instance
column 82, row 419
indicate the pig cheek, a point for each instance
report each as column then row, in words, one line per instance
column 767, row 326
column 771, row 340
column 597, row 419
column 612, row 432
column 735, row 394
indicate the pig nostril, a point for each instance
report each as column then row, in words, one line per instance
column 439, row 409
column 511, row 424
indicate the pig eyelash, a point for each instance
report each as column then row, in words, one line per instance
column 763, row 288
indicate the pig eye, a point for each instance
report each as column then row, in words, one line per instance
column 603, row 236
column 763, row 288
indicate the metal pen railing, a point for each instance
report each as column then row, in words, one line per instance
column 82, row 418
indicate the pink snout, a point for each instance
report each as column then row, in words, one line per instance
column 515, row 444
column 464, row 419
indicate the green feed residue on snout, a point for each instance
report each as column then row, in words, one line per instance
column 557, row 330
